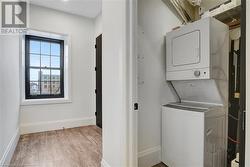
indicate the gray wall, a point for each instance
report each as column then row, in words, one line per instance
column 155, row 19
column 1, row 103
column 9, row 91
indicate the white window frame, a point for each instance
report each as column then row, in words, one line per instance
column 67, row 69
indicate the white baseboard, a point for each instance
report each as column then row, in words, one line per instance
column 55, row 125
column 149, row 157
column 9, row 151
column 104, row 164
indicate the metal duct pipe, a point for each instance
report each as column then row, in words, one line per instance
column 186, row 11
column 195, row 2
column 182, row 12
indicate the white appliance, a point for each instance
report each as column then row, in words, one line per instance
column 193, row 135
column 193, row 50
column 194, row 130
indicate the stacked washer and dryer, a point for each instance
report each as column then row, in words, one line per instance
column 194, row 129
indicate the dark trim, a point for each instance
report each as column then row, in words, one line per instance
column 98, row 90
column 38, row 38
column 28, row 67
column 242, row 83
column 233, row 108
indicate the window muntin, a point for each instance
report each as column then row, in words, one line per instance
column 44, row 67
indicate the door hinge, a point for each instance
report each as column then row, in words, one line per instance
column 95, row 113
column 95, row 91
column 95, row 68
column 136, row 106
column 95, row 46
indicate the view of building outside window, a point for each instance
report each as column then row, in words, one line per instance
column 50, row 84
column 44, row 67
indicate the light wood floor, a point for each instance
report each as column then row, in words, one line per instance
column 77, row 147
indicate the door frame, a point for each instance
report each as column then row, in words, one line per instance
column 133, row 86
column 247, row 123
column 242, row 102
column 126, row 133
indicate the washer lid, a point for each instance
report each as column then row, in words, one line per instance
column 201, row 91
column 198, row 107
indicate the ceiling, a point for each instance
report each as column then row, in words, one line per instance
column 86, row 8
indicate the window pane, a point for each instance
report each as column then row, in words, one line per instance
column 55, row 61
column 55, row 75
column 45, row 87
column 55, row 88
column 45, row 61
column 55, row 49
column 45, row 68
column 35, row 60
column 45, row 48
column 34, row 88
column 45, row 75
column 34, row 74
column 35, row 47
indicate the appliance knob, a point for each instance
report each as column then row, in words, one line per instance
column 197, row 73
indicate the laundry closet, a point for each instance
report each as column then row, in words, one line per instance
column 188, row 83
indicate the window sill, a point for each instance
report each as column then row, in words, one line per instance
column 45, row 101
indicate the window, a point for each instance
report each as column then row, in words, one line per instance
column 44, row 64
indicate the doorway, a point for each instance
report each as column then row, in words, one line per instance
column 98, row 90
column 149, row 56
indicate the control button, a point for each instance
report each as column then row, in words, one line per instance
column 197, row 73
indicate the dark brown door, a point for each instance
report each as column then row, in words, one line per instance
column 98, row 90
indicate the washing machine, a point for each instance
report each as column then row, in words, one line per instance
column 193, row 135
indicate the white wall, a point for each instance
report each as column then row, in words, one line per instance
column 114, row 84
column 81, row 110
column 247, row 159
column 9, row 96
column 155, row 20
column 1, row 103
column 98, row 25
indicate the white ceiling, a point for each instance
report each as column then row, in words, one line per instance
column 87, row 8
